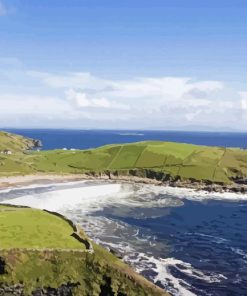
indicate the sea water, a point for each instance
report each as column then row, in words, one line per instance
column 84, row 139
column 188, row 242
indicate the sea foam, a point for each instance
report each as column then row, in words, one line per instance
column 78, row 200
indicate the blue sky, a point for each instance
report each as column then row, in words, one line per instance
column 127, row 64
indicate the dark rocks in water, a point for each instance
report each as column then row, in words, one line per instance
column 37, row 143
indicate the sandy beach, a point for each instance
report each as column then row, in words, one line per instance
column 15, row 181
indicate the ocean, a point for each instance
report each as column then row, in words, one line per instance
column 84, row 139
column 190, row 243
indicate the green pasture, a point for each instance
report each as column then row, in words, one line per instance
column 30, row 228
column 13, row 142
column 216, row 164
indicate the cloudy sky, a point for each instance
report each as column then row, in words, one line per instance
column 140, row 64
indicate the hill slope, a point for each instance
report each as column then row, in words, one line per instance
column 40, row 256
column 15, row 143
column 160, row 160
column 174, row 160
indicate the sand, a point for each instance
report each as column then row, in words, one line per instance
column 16, row 181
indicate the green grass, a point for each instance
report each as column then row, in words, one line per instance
column 127, row 157
column 215, row 164
column 97, row 159
column 30, row 228
column 38, row 251
column 15, row 143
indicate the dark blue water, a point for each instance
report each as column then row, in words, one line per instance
column 83, row 139
column 190, row 245
column 211, row 236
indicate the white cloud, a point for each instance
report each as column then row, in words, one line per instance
column 82, row 100
column 21, row 104
column 243, row 100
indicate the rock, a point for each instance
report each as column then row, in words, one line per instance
column 37, row 143
column 116, row 253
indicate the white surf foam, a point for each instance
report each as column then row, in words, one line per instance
column 89, row 199
column 172, row 284
column 143, row 196
column 191, row 194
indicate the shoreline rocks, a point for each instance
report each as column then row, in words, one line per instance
column 162, row 179
column 129, row 176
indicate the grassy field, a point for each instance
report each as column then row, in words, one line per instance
column 38, row 252
column 215, row 164
column 14, row 142
column 30, row 228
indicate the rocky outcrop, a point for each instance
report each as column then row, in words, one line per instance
column 11, row 290
column 37, row 143
column 18, row 290
column 63, row 290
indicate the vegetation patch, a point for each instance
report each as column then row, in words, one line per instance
column 39, row 256
column 184, row 161
column 30, row 228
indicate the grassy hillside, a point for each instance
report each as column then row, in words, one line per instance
column 14, row 142
column 38, row 254
column 186, row 161
column 216, row 164
column 30, row 228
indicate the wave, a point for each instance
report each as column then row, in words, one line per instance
column 134, row 195
column 191, row 194
column 134, row 246
column 216, row 239
column 89, row 199
column 80, row 201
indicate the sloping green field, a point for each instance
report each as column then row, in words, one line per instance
column 38, row 253
column 30, row 228
column 215, row 164
column 14, row 142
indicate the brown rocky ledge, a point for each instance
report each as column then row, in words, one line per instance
column 144, row 176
